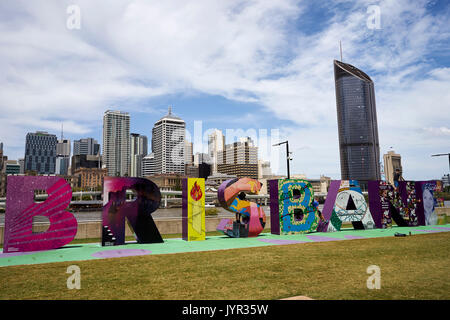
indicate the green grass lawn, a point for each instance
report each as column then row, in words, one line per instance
column 413, row 267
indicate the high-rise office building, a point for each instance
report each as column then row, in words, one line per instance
column 86, row 165
column 357, row 124
column 200, row 167
column 148, row 165
column 22, row 165
column 239, row 159
column 168, row 135
column 188, row 152
column 40, row 152
column 216, row 144
column 88, row 146
column 203, row 162
column 190, row 170
column 62, row 156
column 392, row 162
column 138, row 150
column 62, row 165
column 63, row 147
column 264, row 170
column 116, row 143
column 201, row 158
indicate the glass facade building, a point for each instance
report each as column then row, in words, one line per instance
column 40, row 152
column 357, row 124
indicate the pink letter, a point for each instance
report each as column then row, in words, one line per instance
column 21, row 208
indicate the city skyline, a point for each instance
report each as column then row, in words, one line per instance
column 116, row 127
column 206, row 147
column 262, row 65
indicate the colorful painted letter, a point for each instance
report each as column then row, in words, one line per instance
column 138, row 212
column 400, row 204
column 291, row 209
column 250, row 217
column 346, row 203
column 193, row 209
column 425, row 191
column 21, row 208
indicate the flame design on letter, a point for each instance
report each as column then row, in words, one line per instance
column 196, row 192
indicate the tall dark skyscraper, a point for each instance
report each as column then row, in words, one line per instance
column 357, row 124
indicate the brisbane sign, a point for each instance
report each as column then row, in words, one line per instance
column 292, row 209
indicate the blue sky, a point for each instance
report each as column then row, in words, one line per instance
column 249, row 65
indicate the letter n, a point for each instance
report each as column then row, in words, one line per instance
column 386, row 203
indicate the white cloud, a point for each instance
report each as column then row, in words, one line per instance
column 441, row 131
column 242, row 50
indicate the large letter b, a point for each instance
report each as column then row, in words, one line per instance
column 21, row 208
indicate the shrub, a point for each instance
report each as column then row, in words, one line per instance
column 211, row 211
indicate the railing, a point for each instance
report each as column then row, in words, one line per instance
column 210, row 196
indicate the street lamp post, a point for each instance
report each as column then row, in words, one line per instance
column 443, row 154
column 288, row 158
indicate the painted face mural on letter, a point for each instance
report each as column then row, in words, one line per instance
column 428, row 205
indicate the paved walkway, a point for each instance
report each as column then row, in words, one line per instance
column 92, row 251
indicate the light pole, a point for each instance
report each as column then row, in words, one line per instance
column 288, row 158
column 443, row 154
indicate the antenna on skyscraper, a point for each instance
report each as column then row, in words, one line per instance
column 62, row 131
column 340, row 47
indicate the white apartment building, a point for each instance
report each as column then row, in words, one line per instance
column 168, row 144
column 216, row 144
column 116, row 143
